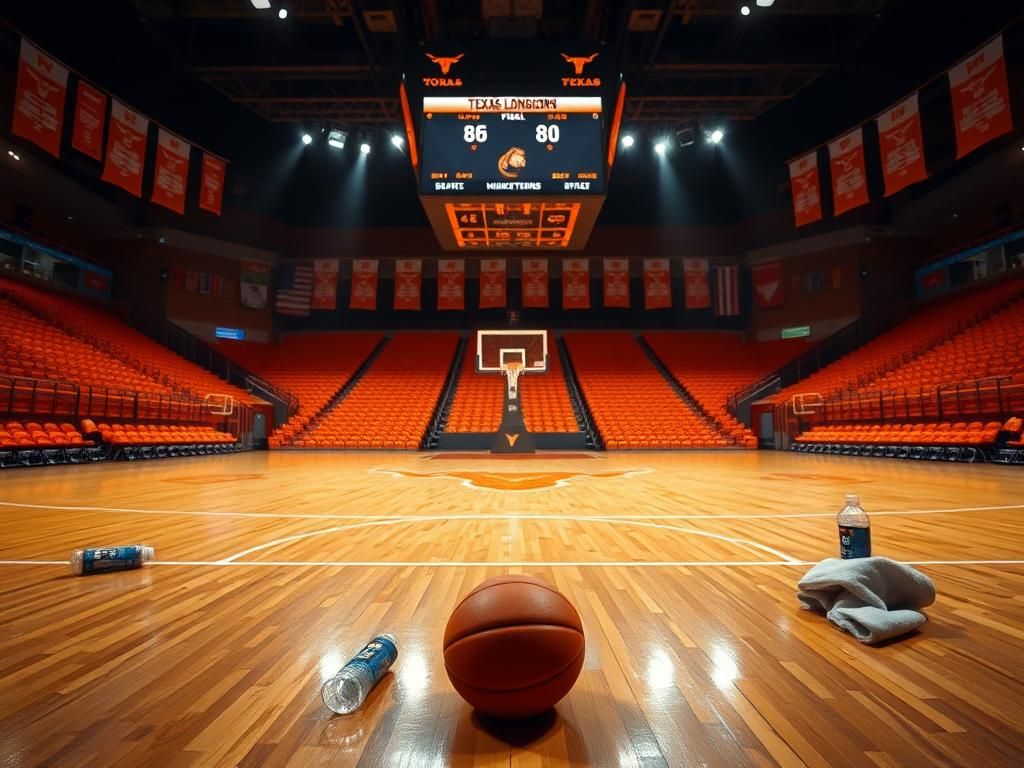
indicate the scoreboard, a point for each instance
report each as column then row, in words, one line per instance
column 512, row 150
column 512, row 145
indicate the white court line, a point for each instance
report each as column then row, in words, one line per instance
column 524, row 515
column 560, row 518
column 518, row 564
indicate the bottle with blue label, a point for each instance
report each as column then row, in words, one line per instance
column 347, row 690
column 84, row 562
column 854, row 529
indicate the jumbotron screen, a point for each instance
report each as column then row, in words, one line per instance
column 509, row 145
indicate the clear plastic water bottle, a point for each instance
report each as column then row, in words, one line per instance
column 854, row 529
column 102, row 559
column 347, row 690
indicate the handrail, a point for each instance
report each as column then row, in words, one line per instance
column 444, row 402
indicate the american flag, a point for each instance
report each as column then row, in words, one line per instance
column 727, row 291
column 294, row 289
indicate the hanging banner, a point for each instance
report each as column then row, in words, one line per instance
column 364, row 284
column 616, row 283
column 211, row 183
column 727, row 291
column 768, row 287
column 254, row 287
column 126, row 148
column 170, row 171
column 408, row 282
column 695, row 279
column 657, row 284
column 901, row 145
column 535, row 283
column 451, row 284
column 981, row 98
column 191, row 281
column 39, row 98
column 849, row 179
column 90, row 117
column 492, row 284
column 804, row 184
column 575, row 284
column 325, row 284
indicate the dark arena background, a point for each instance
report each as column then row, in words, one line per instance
column 648, row 373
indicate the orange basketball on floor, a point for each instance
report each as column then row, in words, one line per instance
column 513, row 647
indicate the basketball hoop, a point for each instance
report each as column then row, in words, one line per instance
column 512, row 371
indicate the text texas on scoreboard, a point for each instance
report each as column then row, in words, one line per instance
column 513, row 153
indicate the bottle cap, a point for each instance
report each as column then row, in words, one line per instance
column 148, row 554
column 852, row 500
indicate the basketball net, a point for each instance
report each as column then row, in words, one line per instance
column 512, row 372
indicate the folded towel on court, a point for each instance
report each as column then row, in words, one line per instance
column 872, row 598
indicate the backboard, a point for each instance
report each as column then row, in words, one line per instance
column 495, row 350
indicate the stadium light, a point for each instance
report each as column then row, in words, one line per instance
column 261, row 5
column 397, row 140
column 765, row 3
column 628, row 140
column 307, row 139
column 11, row 153
column 745, row 10
column 364, row 148
column 716, row 136
column 661, row 147
column 283, row 13
column 336, row 139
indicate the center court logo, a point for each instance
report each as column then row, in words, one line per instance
column 511, row 481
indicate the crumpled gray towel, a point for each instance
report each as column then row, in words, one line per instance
column 872, row 598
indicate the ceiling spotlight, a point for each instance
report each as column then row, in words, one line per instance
column 745, row 10
column 261, row 5
column 336, row 139
column 397, row 140
column 765, row 3
column 661, row 147
column 686, row 137
column 364, row 148
column 628, row 140
column 307, row 139
column 283, row 13
column 716, row 136
column 13, row 154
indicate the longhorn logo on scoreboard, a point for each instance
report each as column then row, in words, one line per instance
column 578, row 64
column 445, row 63
column 512, row 162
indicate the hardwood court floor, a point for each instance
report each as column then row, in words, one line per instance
column 276, row 567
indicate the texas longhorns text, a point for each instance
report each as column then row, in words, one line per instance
column 578, row 63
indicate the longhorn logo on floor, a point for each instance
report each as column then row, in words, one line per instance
column 511, row 481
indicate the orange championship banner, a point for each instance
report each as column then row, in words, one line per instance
column 535, row 283
column 492, row 284
column 170, row 171
column 768, row 287
column 90, row 117
column 451, row 284
column 695, row 278
column 39, row 98
column 981, row 98
column 408, row 283
column 325, row 284
column 211, row 183
column 126, row 148
column 849, row 179
column 616, row 283
column 364, row 284
column 657, row 284
column 901, row 145
column 575, row 284
column 806, row 189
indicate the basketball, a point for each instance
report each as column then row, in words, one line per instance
column 513, row 647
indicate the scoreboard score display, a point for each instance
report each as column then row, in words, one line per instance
column 511, row 156
column 512, row 144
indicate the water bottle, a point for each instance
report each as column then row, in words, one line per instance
column 347, row 690
column 854, row 529
column 103, row 559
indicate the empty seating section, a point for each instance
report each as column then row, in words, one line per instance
column 713, row 366
column 311, row 367
column 894, row 348
column 391, row 405
column 152, row 367
column 17, row 435
column 479, row 398
column 975, row 433
column 632, row 404
column 139, row 435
